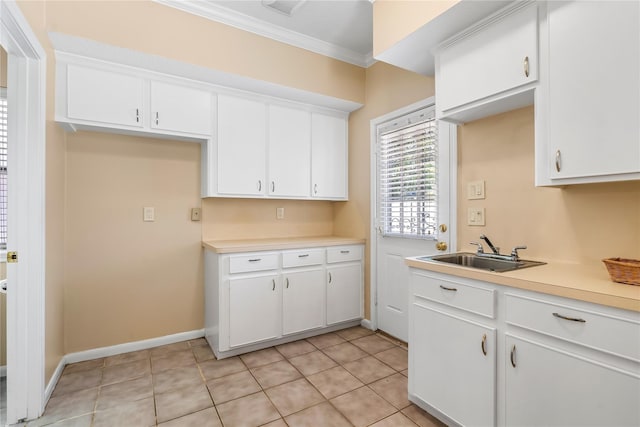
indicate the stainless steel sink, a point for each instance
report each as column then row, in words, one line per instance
column 466, row 259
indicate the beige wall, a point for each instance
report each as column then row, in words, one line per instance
column 125, row 279
column 393, row 20
column 577, row 223
column 250, row 219
column 388, row 88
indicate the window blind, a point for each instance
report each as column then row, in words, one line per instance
column 407, row 176
column 3, row 170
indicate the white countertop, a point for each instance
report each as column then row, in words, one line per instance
column 274, row 244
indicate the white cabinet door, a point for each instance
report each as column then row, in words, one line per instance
column 453, row 365
column 551, row 387
column 289, row 152
column 104, row 97
column 180, row 109
column 501, row 55
column 241, row 146
column 254, row 309
column 329, row 157
column 592, row 90
column 302, row 300
column 344, row 293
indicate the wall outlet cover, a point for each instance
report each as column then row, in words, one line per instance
column 279, row 213
column 475, row 190
column 148, row 214
column 195, row 214
column 475, row 216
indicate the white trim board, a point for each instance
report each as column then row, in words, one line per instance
column 128, row 57
column 113, row 350
column 213, row 12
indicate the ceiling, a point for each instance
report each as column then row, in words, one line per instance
column 342, row 29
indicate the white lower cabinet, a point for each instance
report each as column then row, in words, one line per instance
column 548, row 386
column 250, row 299
column 344, row 293
column 549, row 361
column 302, row 300
column 259, row 299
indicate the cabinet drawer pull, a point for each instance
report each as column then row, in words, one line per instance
column 558, row 161
column 330, row 277
column 483, row 344
column 526, row 66
column 303, row 256
column 513, row 356
column 255, row 260
column 573, row 319
column 345, row 252
column 274, row 284
column 287, row 282
column 448, row 289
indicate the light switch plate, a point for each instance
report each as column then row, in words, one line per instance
column 475, row 190
column 148, row 214
column 475, row 216
column 195, row 214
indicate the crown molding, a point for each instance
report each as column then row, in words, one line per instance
column 244, row 22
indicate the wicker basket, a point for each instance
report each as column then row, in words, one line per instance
column 624, row 270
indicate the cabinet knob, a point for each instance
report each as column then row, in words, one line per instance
column 483, row 344
column 558, row 161
column 526, row 66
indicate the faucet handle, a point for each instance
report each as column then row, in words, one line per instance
column 514, row 251
column 479, row 245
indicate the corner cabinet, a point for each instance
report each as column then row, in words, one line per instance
column 588, row 103
column 538, row 360
column 259, row 299
column 489, row 68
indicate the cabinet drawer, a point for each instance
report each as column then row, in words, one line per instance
column 344, row 253
column 302, row 258
column 253, row 262
column 465, row 297
column 615, row 335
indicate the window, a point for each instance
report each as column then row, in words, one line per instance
column 3, row 169
column 407, row 178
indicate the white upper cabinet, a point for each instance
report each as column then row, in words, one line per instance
column 489, row 68
column 588, row 103
column 241, row 146
column 180, row 109
column 289, row 152
column 329, row 157
column 111, row 99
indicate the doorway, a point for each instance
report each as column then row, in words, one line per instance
column 26, row 96
column 412, row 204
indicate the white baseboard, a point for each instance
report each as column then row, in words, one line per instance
column 366, row 323
column 3, row 371
column 97, row 353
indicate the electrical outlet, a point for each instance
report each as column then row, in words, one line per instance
column 475, row 216
column 148, row 214
column 195, row 214
column 279, row 213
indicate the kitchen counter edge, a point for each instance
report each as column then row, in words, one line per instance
column 589, row 283
column 257, row 245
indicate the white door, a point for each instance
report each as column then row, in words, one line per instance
column 411, row 204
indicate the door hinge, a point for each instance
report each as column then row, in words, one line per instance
column 12, row 257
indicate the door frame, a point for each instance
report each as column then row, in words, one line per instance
column 26, row 81
column 451, row 139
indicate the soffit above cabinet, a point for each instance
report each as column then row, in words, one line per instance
column 66, row 44
column 414, row 52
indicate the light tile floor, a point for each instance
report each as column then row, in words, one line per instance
column 352, row 377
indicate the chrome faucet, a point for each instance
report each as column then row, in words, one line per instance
column 496, row 251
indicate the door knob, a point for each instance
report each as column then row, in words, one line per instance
column 441, row 246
